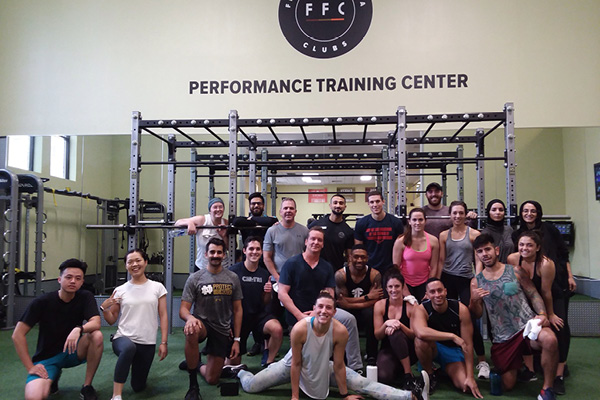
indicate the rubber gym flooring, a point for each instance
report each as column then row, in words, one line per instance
column 166, row 381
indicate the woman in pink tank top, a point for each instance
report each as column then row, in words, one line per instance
column 416, row 254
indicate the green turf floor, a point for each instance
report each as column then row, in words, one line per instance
column 166, row 381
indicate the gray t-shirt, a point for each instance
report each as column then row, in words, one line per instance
column 213, row 296
column 436, row 226
column 285, row 242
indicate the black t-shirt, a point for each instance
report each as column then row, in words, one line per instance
column 338, row 237
column 57, row 319
column 253, row 284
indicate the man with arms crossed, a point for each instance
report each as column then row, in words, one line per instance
column 64, row 341
column 505, row 289
column 444, row 333
column 314, row 340
column 378, row 232
column 217, row 297
column 339, row 237
column 358, row 287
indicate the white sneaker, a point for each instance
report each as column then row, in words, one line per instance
column 484, row 370
column 117, row 398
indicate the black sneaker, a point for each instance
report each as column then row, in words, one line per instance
column 526, row 375
column 193, row 393
column 231, row 371
column 409, row 383
column 54, row 385
column 422, row 387
column 255, row 350
column 433, row 381
column 372, row 361
column 559, row 385
column 88, row 393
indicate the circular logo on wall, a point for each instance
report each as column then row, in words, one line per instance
column 324, row 29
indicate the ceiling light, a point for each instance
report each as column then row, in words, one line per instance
column 365, row 178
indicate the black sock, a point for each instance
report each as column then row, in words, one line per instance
column 193, row 377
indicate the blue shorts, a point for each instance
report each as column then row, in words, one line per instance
column 55, row 364
column 448, row 355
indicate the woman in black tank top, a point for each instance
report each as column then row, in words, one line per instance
column 391, row 320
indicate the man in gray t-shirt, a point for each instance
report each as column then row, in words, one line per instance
column 285, row 239
column 216, row 294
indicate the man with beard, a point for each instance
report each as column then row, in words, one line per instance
column 339, row 237
column 315, row 339
column 358, row 287
column 256, row 218
column 435, row 208
column 378, row 232
column 444, row 333
column 505, row 291
column 217, row 297
column 302, row 278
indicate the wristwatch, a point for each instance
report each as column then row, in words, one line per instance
column 366, row 297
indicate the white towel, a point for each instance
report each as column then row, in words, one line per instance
column 532, row 329
column 411, row 299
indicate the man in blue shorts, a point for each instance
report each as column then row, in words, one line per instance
column 64, row 341
column 444, row 334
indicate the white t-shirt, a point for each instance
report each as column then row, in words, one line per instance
column 139, row 311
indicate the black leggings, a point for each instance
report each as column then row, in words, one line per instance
column 459, row 288
column 560, row 305
column 138, row 357
column 393, row 349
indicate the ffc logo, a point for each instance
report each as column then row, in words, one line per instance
column 324, row 29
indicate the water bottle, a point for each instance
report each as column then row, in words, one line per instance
column 495, row 384
column 177, row 232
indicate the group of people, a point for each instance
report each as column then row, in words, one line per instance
column 417, row 293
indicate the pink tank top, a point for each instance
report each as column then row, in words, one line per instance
column 415, row 265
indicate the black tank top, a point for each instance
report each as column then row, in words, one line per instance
column 537, row 281
column 404, row 319
column 449, row 321
column 361, row 288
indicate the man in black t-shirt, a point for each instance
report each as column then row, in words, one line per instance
column 257, row 289
column 64, row 340
column 339, row 237
column 444, row 333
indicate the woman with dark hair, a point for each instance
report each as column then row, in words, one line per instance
column 416, row 252
column 554, row 248
column 456, row 265
column 391, row 320
column 140, row 302
column 497, row 228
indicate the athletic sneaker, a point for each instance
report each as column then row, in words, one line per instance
column 559, row 385
column 117, row 397
column 547, row 394
column 484, row 370
column 231, row 371
column 256, row 349
column 193, row 393
column 526, row 375
column 265, row 357
column 88, row 393
column 433, row 381
column 409, row 383
column 54, row 384
column 422, row 388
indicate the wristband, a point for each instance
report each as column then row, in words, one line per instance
column 164, row 343
column 80, row 330
column 102, row 309
column 343, row 396
column 237, row 339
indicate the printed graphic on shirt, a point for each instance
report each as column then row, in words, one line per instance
column 379, row 234
column 357, row 292
column 217, row 289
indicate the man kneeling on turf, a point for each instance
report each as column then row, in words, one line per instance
column 314, row 340
column 64, row 341
column 444, row 333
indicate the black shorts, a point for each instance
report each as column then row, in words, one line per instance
column 254, row 323
column 217, row 344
